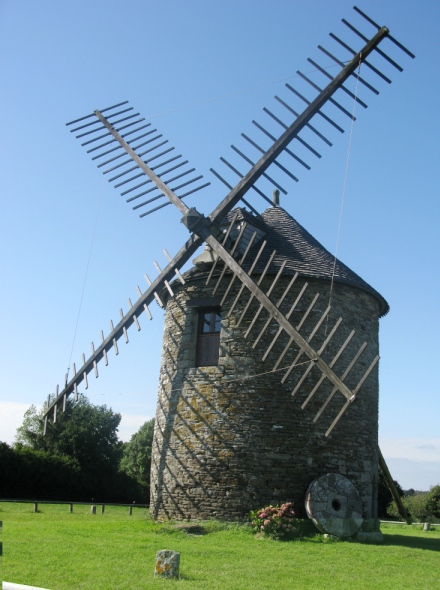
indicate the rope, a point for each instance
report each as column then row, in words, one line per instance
column 246, row 377
column 85, row 279
column 243, row 378
column 344, row 187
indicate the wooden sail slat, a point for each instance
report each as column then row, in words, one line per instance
column 308, row 310
column 243, row 287
column 179, row 276
column 351, row 400
column 335, row 389
column 261, row 307
column 104, row 352
column 289, row 313
column 269, row 292
column 243, row 258
column 167, row 285
column 312, row 334
column 233, row 250
column 224, row 242
column 278, row 304
column 320, row 351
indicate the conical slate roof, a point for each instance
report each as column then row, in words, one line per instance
column 303, row 253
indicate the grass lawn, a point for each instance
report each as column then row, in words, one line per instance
column 114, row 551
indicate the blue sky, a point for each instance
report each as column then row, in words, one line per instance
column 201, row 72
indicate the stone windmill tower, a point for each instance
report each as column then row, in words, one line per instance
column 269, row 365
column 230, row 434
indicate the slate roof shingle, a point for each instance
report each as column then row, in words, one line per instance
column 303, row 253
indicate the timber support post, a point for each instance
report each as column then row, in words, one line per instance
column 394, row 492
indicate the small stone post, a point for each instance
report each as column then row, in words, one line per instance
column 426, row 526
column 93, row 509
column 71, row 508
column 167, row 564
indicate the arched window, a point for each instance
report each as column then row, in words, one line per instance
column 208, row 337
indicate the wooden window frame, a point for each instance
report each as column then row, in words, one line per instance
column 208, row 342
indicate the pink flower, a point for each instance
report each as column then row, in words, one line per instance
column 266, row 522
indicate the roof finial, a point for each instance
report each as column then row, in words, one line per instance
column 276, row 198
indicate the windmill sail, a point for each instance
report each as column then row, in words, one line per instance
column 151, row 162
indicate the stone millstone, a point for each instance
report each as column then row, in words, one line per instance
column 167, row 564
column 334, row 505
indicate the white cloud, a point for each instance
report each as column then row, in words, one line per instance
column 11, row 417
column 418, row 475
column 415, row 449
column 413, row 462
column 130, row 423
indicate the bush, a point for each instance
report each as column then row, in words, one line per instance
column 26, row 473
column 277, row 522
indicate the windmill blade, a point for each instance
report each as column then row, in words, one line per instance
column 144, row 145
column 127, row 320
column 314, row 110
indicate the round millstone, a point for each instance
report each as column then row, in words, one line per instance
column 334, row 505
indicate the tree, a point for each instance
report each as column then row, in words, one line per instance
column 136, row 456
column 29, row 434
column 415, row 505
column 84, row 432
column 384, row 496
column 433, row 502
column 87, row 435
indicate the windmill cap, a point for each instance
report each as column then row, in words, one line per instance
column 294, row 245
column 302, row 253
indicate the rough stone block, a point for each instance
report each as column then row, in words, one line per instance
column 167, row 564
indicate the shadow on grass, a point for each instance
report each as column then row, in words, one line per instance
column 412, row 542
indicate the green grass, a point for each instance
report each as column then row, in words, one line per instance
column 61, row 551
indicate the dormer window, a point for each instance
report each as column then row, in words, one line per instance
column 208, row 337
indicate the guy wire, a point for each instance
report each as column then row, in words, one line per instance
column 344, row 187
column 85, row 278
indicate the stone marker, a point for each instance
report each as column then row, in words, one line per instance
column 92, row 509
column 167, row 564
column 426, row 526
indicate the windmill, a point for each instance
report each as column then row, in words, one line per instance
column 238, row 260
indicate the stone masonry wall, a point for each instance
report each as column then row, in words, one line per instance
column 232, row 438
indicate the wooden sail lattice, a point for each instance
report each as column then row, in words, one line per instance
column 151, row 162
